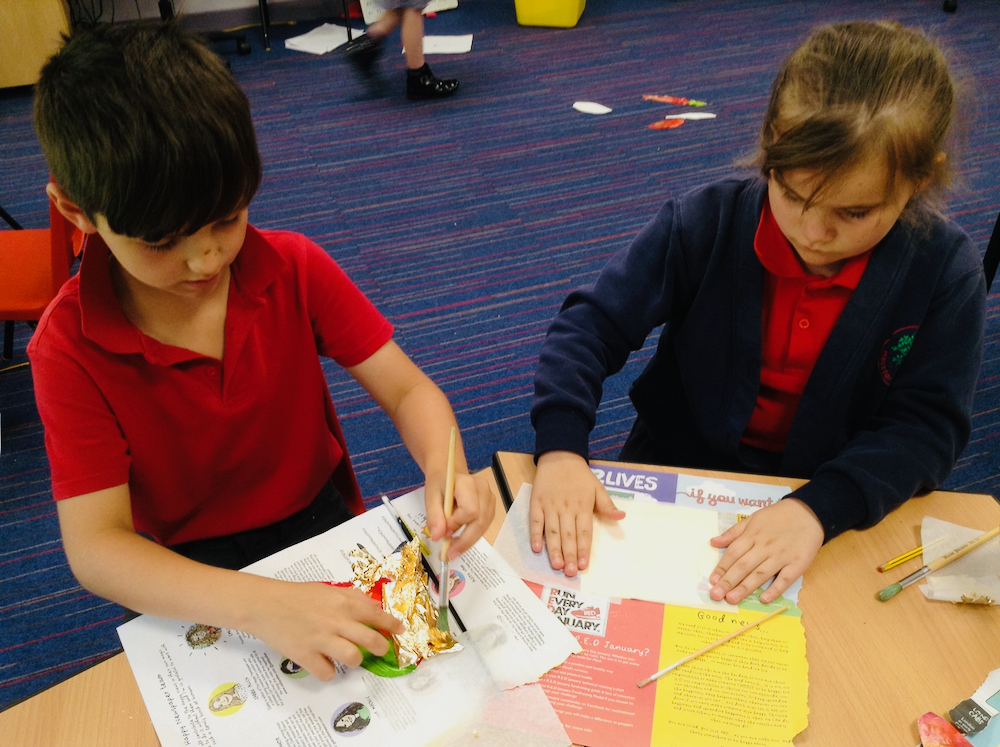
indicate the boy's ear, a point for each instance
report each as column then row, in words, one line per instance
column 70, row 210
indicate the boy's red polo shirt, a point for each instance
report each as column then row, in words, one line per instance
column 207, row 447
column 799, row 310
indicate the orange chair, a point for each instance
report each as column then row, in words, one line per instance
column 34, row 263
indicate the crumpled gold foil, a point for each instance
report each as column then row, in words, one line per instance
column 406, row 598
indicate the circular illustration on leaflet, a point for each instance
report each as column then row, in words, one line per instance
column 351, row 719
column 227, row 699
column 290, row 669
column 456, row 584
column 202, row 636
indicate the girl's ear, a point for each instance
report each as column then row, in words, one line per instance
column 70, row 210
column 939, row 161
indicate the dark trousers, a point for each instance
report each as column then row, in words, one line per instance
column 235, row 551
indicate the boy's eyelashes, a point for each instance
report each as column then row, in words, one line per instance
column 170, row 243
column 161, row 246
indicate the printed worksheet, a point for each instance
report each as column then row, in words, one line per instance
column 209, row 686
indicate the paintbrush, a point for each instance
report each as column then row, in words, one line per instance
column 444, row 579
column 410, row 534
column 890, row 591
column 710, row 646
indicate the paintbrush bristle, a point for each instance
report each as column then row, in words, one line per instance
column 889, row 592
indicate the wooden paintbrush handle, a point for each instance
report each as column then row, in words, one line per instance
column 964, row 549
column 449, row 488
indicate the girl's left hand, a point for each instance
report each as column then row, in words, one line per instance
column 780, row 540
column 474, row 509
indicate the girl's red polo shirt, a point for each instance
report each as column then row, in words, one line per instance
column 207, row 447
column 799, row 310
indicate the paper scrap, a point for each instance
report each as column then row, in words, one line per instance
column 690, row 115
column 591, row 107
column 666, row 124
column 460, row 44
column 321, row 39
column 972, row 579
column 936, row 732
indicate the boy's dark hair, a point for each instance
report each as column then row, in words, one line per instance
column 858, row 90
column 143, row 124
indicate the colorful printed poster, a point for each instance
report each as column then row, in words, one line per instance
column 751, row 691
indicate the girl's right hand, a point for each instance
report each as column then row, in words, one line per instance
column 315, row 624
column 564, row 496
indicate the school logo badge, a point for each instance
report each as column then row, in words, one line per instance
column 893, row 352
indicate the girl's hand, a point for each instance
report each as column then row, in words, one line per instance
column 780, row 540
column 315, row 624
column 564, row 496
column 474, row 509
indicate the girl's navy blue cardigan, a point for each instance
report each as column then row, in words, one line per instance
column 886, row 411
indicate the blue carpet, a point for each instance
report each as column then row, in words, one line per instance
column 468, row 221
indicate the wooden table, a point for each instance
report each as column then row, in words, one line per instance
column 873, row 667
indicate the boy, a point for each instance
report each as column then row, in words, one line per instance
column 178, row 375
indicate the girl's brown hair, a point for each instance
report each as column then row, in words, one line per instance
column 856, row 91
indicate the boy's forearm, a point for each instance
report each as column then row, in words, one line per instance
column 424, row 419
column 135, row 572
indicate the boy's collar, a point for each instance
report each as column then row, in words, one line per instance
column 103, row 321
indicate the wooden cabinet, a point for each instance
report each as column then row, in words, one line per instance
column 29, row 34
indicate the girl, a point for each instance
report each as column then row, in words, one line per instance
column 822, row 321
column 421, row 83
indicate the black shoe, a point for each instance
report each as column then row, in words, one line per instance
column 363, row 54
column 423, row 84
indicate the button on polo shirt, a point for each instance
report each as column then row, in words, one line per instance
column 799, row 312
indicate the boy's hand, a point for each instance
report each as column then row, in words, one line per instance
column 780, row 540
column 564, row 496
column 474, row 509
column 315, row 624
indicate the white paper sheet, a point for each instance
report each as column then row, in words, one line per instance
column 680, row 539
column 659, row 553
column 321, row 39
column 460, row 44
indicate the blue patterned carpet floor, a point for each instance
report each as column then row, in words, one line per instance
column 468, row 221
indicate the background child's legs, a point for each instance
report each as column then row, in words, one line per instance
column 412, row 33
column 386, row 24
